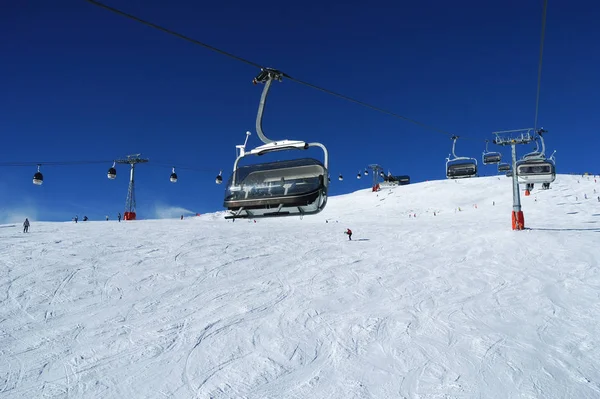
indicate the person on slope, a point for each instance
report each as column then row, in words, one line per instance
column 349, row 233
column 26, row 226
column 119, row 217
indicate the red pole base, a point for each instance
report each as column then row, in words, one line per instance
column 129, row 216
column 518, row 220
column 527, row 193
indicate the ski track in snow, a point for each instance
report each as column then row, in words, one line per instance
column 448, row 306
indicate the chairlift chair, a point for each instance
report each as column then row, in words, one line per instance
column 491, row 158
column 460, row 167
column 280, row 188
column 536, row 171
column 535, row 167
column 503, row 167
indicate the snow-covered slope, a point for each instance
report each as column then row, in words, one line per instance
column 455, row 305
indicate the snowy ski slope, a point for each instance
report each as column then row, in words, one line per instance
column 455, row 305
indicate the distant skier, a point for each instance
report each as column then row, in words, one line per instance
column 106, row 217
column 76, row 218
column 85, row 218
column 26, row 226
column 119, row 217
column 349, row 233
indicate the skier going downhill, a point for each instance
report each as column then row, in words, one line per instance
column 349, row 232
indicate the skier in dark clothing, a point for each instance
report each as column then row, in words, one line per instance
column 119, row 216
column 349, row 232
column 26, row 226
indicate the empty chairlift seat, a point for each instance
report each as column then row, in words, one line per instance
column 503, row 167
column 461, row 168
column 538, row 171
column 277, row 188
column 492, row 158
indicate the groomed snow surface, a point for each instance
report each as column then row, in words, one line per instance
column 455, row 305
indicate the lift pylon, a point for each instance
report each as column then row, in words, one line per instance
column 512, row 138
column 377, row 170
column 130, row 211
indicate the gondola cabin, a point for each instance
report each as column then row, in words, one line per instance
column 38, row 178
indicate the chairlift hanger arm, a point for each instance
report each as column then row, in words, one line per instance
column 454, row 138
column 266, row 76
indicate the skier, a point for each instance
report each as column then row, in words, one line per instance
column 26, row 226
column 349, row 232
column 76, row 218
column 106, row 217
column 119, row 217
column 85, row 218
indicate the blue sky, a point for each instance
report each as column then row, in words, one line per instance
column 82, row 84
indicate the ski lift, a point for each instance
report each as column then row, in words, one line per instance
column 112, row 172
column 460, row 167
column 536, row 171
column 281, row 188
column 173, row 177
column 366, row 172
column 535, row 167
column 503, row 167
column 359, row 175
column 219, row 178
column 38, row 178
column 341, row 178
column 490, row 158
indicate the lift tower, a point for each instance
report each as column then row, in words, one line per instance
column 512, row 138
column 377, row 170
column 132, row 160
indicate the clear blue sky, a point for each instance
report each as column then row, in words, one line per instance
column 81, row 83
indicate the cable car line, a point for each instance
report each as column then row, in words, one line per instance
column 264, row 68
column 539, row 81
column 52, row 163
